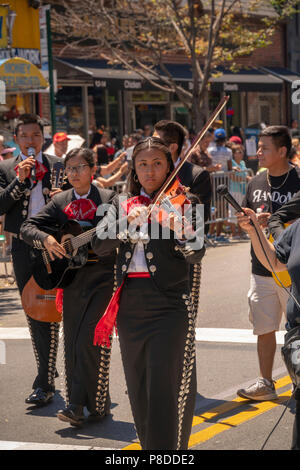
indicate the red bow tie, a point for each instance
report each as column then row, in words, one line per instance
column 40, row 171
column 135, row 201
column 81, row 209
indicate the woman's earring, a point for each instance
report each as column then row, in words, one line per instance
column 135, row 178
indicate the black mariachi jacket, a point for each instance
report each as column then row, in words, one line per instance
column 52, row 214
column 198, row 180
column 168, row 260
column 15, row 196
column 286, row 213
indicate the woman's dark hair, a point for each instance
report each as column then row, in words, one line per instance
column 133, row 185
column 87, row 154
column 280, row 137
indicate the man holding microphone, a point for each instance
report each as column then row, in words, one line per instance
column 25, row 186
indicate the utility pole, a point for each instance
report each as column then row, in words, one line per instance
column 50, row 65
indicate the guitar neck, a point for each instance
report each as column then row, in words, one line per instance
column 83, row 238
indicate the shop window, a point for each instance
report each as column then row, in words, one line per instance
column 181, row 114
column 69, row 117
column 148, row 114
column 263, row 107
column 113, row 113
column 104, row 110
column 97, row 114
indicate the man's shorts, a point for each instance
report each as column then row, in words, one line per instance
column 267, row 302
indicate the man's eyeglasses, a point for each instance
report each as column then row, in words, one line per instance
column 75, row 169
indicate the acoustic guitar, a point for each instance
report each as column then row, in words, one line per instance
column 38, row 303
column 60, row 273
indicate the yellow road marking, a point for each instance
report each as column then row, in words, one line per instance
column 231, row 405
column 233, row 421
column 256, row 408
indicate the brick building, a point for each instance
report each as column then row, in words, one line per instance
column 91, row 93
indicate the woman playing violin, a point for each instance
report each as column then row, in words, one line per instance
column 86, row 366
column 152, row 308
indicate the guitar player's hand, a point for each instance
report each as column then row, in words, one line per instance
column 54, row 248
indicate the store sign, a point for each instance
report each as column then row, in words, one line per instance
column 132, row 84
column 21, row 75
column 98, row 83
column 33, row 55
column 149, row 97
column 3, row 26
column 231, row 87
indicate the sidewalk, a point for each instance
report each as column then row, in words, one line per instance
column 6, row 281
column 11, row 311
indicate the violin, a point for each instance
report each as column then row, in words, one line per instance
column 172, row 195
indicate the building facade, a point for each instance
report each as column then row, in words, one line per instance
column 20, row 62
column 90, row 93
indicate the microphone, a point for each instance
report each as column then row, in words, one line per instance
column 222, row 190
column 31, row 153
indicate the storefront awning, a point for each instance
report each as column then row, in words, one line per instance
column 99, row 74
column 247, row 80
column 282, row 73
column 102, row 75
column 21, row 76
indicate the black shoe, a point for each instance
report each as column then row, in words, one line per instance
column 39, row 397
column 95, row 416
column 73, row 414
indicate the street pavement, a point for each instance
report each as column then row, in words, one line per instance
column 226, row 361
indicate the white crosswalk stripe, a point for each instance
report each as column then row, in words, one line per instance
column 12, row 445
column 218, row 335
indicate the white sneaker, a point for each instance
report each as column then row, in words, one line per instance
column 260, row 391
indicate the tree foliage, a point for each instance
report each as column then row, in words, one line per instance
column 144, row 35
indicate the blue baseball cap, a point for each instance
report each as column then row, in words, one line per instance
column 220, row 134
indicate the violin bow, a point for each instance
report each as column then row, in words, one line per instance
column 200, row 135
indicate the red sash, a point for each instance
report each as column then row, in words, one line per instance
column 107, row 322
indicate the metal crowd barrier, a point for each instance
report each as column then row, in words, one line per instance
column 237, row 183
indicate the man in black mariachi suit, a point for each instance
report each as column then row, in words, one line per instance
column 191, row 176
column 25, row 187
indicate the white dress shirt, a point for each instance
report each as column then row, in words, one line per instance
column 37, row 200
column 138, row 262
column 85, row 196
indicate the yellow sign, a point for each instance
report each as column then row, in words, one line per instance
column 20, row 75
column 3, row 27
column 20, row 23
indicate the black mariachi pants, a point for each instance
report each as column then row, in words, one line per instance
column 157, row 334
column 44, row 335
column 86, row 365
column 296, row 427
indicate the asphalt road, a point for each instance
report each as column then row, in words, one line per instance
column 226, row 361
